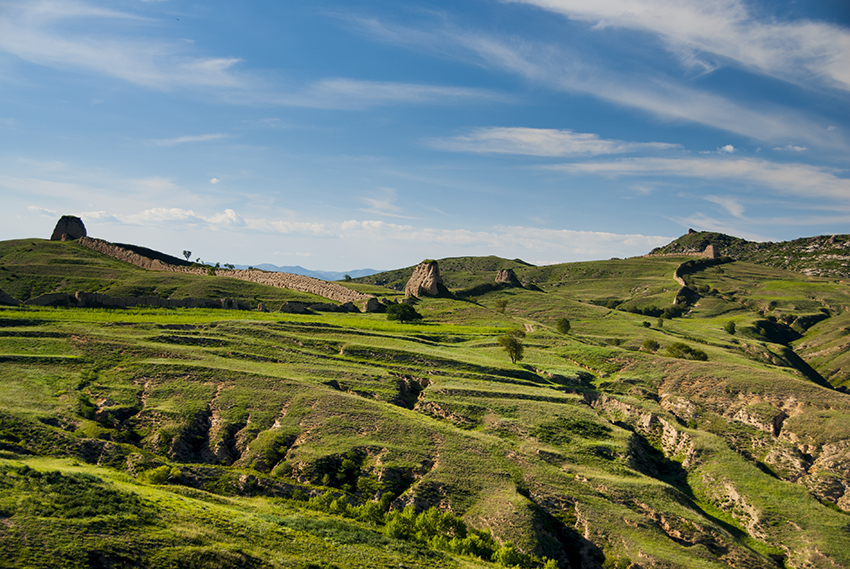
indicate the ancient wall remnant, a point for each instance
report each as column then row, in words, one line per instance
column 300, row 283
column 425, row 280
column 68, row 227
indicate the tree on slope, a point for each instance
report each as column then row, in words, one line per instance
column 513, row 346
column 403, row 313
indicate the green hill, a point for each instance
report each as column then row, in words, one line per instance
column 33, row 267
column 825, row 255
column 644, row 437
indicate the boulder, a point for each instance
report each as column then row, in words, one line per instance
column 67, row 228
column 372, row 305
column 426, row 280
column 292, row 307
column 508, row 277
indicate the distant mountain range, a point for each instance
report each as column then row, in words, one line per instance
column 324, row 275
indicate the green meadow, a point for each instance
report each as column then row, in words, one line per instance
column 222, row 438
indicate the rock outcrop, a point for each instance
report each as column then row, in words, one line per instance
column 425, row 281
column 508, row 277
column 68, row 228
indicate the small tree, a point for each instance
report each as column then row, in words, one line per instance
column 513, row 346
column 563, row 326
column 347, row 278
column 730, row 328
column 501, row 304
column 403, row 313
column 651, row 345
column 187, row 254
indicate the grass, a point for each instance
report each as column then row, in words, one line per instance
column 589, row 449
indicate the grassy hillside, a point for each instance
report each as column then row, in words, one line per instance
column 33, row 267
column 211, row 438
column 825, row 255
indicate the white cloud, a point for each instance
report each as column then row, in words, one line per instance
column 531, row 243
column 732, row 205
column 214, row 181
column 728, row 149
column 796, row 179
column 185, row 139
column 35, row 31
column 567, row 70
column 345, row 93
column 792, row 148
column 42, row 211
column 383, row 203
column 800, row 51
column 540, row 142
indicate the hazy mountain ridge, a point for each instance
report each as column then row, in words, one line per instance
column 324, row 275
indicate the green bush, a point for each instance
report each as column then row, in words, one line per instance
column 684, row 351
column 403, row 313
column 651, row 345
column 563, row 326
column 730, row 328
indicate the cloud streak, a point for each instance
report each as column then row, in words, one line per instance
column 568, row 70
column 793, row 179
column 541, row 142
column 34, row 31
column 185, row 139
column 799, row 52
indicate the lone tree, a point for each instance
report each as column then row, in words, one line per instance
column 513, row 345
column 563, row 326
column 501, row 304
column 187, row 254
column 403, row 313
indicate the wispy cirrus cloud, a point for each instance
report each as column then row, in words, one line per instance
column 540, row 142
column 568, row 70
column 383, row 202
column 801, row 52
column 43, row 32
column 794, row 179
column 347, row 93
column 184, row 139
column 72, row 35
column 730, row 204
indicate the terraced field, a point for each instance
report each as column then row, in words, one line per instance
column 217, row 438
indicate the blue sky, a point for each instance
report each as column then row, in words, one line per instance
column 348, row 134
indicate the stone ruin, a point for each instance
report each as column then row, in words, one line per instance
column 711, row 252
column 426, row 280
column 508, row 277
column 68, row 228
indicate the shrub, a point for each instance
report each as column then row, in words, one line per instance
column 684, row 351
column 730, row 328
column 651, row 345
column 403, row 313
column 646, row 324
column 501, row 304
column 563, row 326
column 510, row 556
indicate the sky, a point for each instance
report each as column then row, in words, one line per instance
column 340, row 135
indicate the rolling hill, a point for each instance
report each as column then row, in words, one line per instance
column 707, row 429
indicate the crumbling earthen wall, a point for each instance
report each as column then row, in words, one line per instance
column 300, row 283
